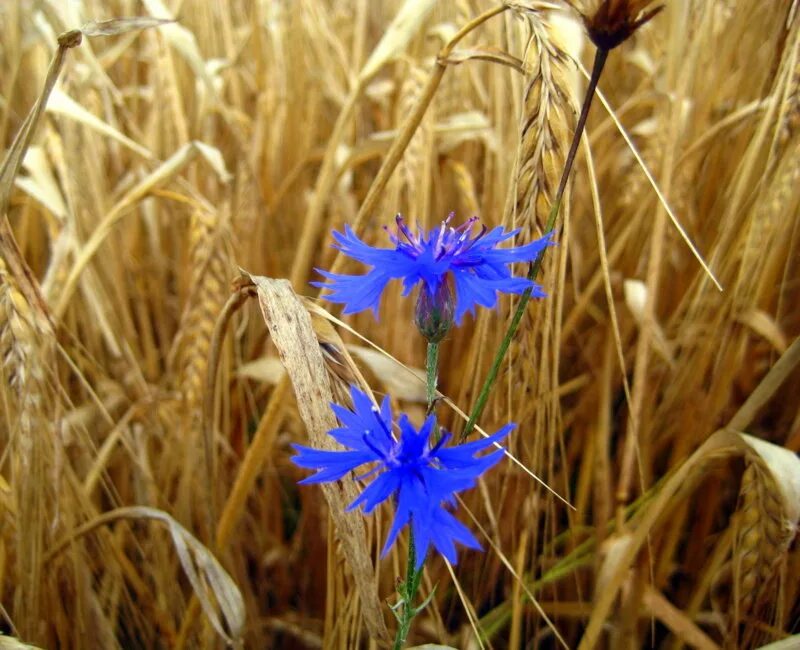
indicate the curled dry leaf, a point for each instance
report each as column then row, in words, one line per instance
column 204, row 572
column 266, row 369
column 121, row 25
column 405, row 24
column 12, row 643
column 292, row 333
column 779, row 468
column 407, row 386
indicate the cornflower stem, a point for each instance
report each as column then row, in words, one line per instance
column 600, row 57
column 408, row 589
column 432, row 373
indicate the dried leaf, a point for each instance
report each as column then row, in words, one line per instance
column 461, row 127
column 765, row 326
column 784, row 465
column 266, row 369
column 121, row 25
column 62, row 104
column 203, row 570
column 184, row 42
column 408, row 386
column 491, row 54
column 290, row 327
column 678, row 623
column 405, row 24
column 41, row 184
column 12, row 643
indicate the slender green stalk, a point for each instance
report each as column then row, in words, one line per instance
column 599, row 62
column 408, row 589
column 432, row 372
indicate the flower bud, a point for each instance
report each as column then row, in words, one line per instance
column 433, row 315
column 611, row 22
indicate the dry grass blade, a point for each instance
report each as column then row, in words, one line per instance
column 10, row 643
column 292, row 333
column 405, row 24
column 784, row 485
column 62, row 104
column 116, row 26
column 202, row 569
column 162, row 173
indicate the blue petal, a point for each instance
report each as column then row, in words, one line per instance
column 377, row 492
column 405, row 503
column 355, row 292
column 447, row 530
column 332, row 465
column 462, row 455
column 471, row 290
column 413, row 442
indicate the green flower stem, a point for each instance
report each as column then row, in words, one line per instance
column 432, row 372
column 599, row 62
column 408, row 592
column 408, row 589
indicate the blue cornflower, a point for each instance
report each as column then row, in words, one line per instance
column 476, row 266
column 423, row 478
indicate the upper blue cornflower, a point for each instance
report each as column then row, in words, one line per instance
column 423, row 478
column 478, row 268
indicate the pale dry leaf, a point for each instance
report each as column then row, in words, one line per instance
column 678, row 623
column 62, row 104
column 201, row 569
column 784, row 465
column 615, row 552
column 266, row 369
column 635, row 297
column 12, row 643
column 40, row 183
column 116, row 26
column 765, row 326
column 184, row 42
column 290, row 328
column 490, row 54
column 405, row 24
column 407, row 386
column 214, row 158
column 462, row 127
column 790, row 643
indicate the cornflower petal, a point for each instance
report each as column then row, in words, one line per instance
column 471, row 260
column 462, row 455
column 332, row 465
column 446, row 530
column 402, row 515
column 423, row 478
column 376, row 492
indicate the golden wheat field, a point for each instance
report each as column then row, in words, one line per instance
column 173, row 171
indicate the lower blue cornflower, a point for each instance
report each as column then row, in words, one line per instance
column 423, row 478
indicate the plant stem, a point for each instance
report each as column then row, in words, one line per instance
column 408, row 590
column 599, row 62
column 432, row 373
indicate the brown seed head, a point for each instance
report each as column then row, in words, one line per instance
column 611, row 22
